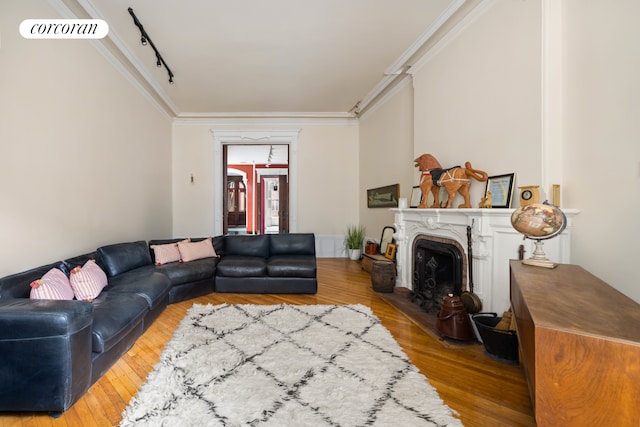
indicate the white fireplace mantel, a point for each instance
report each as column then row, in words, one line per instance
column 494, row 243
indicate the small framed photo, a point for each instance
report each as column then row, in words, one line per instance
column 416, row 195
column 500, row 188
column 390, row 253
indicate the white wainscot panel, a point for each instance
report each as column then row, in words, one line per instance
column 330, row 246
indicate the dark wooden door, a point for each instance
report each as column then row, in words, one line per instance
column 236, row 202
column 283, row 184
column 225, row 207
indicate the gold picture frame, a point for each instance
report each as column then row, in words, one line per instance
column 390, row 253
column 555, row 195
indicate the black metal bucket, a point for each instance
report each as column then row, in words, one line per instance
column 499, row 344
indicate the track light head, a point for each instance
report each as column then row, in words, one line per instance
column 143, row 40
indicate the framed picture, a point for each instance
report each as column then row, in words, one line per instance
column 500, row 187
column 390, row 253
column 416, row 195
column 555, row 195
column 383, row 197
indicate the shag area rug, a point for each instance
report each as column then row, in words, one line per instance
column 285, row 365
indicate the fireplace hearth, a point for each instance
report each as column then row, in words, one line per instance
column 439, row 269
column 494, row 242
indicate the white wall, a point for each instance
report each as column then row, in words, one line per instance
column 601, row 135
column 477, row 96
column 328, row 179
column 85, row 159
column 386, row 154
column 549, row 91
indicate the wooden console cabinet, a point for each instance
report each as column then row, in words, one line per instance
column 580, row 346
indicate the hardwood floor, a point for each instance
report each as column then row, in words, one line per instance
column 482, row 391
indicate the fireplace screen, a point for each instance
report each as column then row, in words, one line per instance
column 438, row 270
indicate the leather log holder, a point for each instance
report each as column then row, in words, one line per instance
column 453, row 319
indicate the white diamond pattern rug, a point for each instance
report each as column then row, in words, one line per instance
column 285, row 365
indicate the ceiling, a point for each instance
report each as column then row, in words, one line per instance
column 271, row 58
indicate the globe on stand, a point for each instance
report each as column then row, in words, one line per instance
column 539, row 221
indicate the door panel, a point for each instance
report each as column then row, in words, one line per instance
column 284, row 203
column 225, row 207
column 236, row 202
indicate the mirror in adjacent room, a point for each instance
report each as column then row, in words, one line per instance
column 386, row 238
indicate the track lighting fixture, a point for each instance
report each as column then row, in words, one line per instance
column 145, row 39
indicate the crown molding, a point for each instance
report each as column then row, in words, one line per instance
column 381, row 101
column 94, row 12
column 266, row 121
column 451, row 35
column 243, row 115
column 114, row 55
column 402, row 64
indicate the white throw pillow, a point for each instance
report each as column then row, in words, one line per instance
column 88, row 281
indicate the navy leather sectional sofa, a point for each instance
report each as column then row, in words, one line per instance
column 52, row 351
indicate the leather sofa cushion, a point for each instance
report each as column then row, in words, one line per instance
column 78, row 261
column 17, row 285
column 145, row 282
column 292, row 266
column 114, row 316
column 192, row 271
column 292, row 244
column 122, row 257
column 247, row 246
column 242, row 266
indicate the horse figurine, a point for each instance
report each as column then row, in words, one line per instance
column 455, row 179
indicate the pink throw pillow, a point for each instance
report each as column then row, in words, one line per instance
column 53, row 285
column 88, row 281
column 190, row 251
column 167, row 253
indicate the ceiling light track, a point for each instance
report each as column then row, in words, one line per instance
column 145, row 39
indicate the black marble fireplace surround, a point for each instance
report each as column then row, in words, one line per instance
column 439, row 268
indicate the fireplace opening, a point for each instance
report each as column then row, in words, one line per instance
column 439, row 268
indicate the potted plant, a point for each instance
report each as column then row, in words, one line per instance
column 354, row 240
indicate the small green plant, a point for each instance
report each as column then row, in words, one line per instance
column 354, row 237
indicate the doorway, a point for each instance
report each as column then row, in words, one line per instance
column 257, row 190
column 274, row 204
column 225, row 136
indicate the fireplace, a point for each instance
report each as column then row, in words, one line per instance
column 439, row 268
column 494, row 243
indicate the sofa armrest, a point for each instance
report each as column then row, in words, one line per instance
column 23, row 318
column 45, row 353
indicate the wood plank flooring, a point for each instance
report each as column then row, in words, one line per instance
column 482, row 391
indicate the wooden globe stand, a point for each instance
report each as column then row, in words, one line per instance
column 539, row 259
